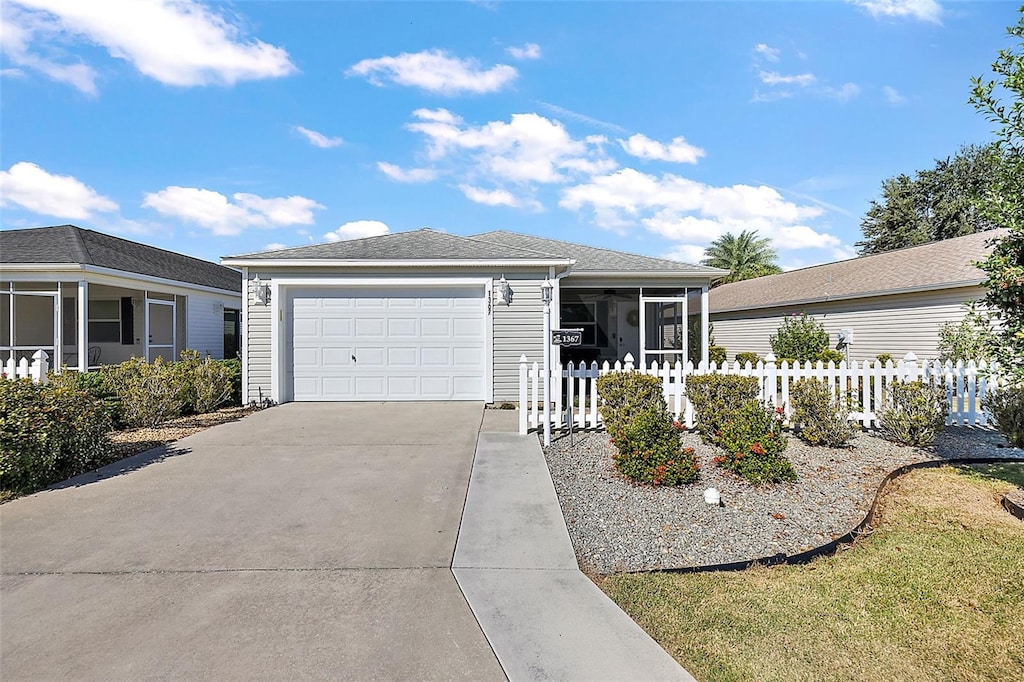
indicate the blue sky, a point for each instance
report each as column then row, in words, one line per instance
column 219, row 129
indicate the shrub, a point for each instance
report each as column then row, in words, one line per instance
column 714, row 396
column 884, row 358
column 649, row 450
column 211, row 385
column 150, row 393
column 831, row 355
column 823, row 418
column 744, row 358
column 914, row 413
column 48, row 432
column 234, row 369
column 968, row 339
column 753, row 442
column 1007, row 409
column 625, row 395
column 716, row 354
column 803, row 338
column 96, row 385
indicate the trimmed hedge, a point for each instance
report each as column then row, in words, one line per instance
column 753, row 442
column 648, row 447
column 48, row 432
column 714, row 396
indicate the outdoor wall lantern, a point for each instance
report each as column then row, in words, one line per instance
column 260, row 291
column 505, row 291
column 545, row 291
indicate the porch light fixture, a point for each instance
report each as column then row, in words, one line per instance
column 260, row 290
column 545, row 291
column 505, row 291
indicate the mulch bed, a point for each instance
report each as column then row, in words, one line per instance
column 617, row 526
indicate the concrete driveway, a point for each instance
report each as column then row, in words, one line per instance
column 304, row 541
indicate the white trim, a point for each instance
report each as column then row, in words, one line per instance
column 705, row 324
column 649, row 274
column 279, row 287
column 44, row 270
column 83, row 325
column 244, row 331
column 265, row 264
column 277, row 356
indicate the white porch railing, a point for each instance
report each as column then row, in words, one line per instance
column 576, row 386
column 36, row 370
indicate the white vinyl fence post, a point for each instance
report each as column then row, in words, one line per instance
column 40, row 367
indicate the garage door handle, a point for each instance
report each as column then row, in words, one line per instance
column 353, row 358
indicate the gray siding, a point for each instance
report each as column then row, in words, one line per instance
column 257, row 355
column 895, row 324
column 518, row 330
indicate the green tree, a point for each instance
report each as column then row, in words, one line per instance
column 937, row 203
column 745, row 257
column 1001, row 101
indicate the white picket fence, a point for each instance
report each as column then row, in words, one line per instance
column 36, row 370
column 574, row 387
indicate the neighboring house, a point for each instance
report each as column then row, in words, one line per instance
column 91, row 299
column 426, row 315
column 893, row 302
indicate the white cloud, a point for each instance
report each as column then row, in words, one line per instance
column 677, row 151
column 318, row 139
column 689, row 212
column 925, row 10
column 893, row 96
column 357, row 229
column 775, row 78
column 435, row 71
column 492, row 197
column 275, row 246
column 30, row 187
column 687, row 253
column 217, row 213
column 769, row 53
column 527, row 51
column 529, row 148
column 844, row 93
column 399, row 174
column 176, row 42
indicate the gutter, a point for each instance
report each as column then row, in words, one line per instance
column 411, row 263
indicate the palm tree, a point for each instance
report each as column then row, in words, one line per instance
column 745, row 257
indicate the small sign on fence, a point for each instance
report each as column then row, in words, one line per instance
column 567, row 337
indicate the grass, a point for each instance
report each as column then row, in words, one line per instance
column 935, row 593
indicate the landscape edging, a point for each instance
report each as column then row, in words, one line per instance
column 860, row 529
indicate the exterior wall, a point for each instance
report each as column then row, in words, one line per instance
column 256, row 354
column 517, row 329
column 205, row 327
column 895, row 324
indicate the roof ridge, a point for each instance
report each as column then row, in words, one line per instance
column 476, row 238
column 597, row 248
column 83, row 253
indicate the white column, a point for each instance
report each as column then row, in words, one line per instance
column 83, row 326
column 705, row 324
column 642, row 330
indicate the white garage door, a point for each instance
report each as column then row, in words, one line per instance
column 388, row 344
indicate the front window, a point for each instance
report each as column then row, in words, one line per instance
column 581, row 316
column 105, row 321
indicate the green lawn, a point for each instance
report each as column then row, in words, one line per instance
column 936, row 593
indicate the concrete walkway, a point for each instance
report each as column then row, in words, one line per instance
column 515, row 563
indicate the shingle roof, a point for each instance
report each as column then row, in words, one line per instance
column 935, row 265
column 72, row 244
column 592, row 258
column 425, row 244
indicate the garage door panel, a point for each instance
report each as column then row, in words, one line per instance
column 408, row 344
column 338, row 327
column 402, row 357
column 403, row 327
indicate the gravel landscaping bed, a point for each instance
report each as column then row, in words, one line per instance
column 133, row 441
column 617, row 526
